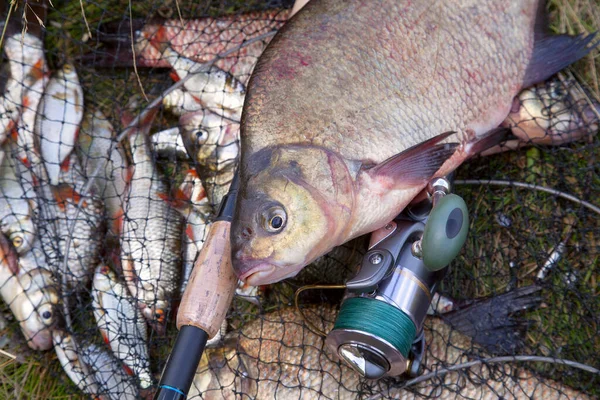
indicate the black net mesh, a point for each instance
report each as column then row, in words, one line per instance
column 101, row 225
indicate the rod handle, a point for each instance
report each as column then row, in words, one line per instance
column 212, row 284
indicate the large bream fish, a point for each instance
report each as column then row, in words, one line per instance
column 351, row 111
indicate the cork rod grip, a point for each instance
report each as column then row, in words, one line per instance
column 210, row 289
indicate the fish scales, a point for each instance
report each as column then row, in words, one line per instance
column 493, row 70
column 61, row 218
column 121, row 323
column 151, row 234
column 278, row 356
column 203, row 39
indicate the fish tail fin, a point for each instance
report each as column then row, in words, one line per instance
column 492, row 323
column 552, row 53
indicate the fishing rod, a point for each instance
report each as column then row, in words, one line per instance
column 204, row 305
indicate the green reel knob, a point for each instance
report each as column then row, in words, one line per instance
column 445, row 232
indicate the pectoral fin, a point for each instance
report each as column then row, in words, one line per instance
column 415, row 165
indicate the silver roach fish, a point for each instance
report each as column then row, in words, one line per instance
column 59, row 115
column 121, row 324
column 113, row 382
column 215, row 89
column 29, row 289
column 67, row 353
column 213, row 142
column 98, row 151
column 196, row 211
column 25, row 54
column 267, row 363
column 62, row 218
column 16, row 209
column 151, row 231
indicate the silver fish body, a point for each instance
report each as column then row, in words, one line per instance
column 96, row 149
column 113, row 382
column 196, row 215
column 16, row 210
column 67, row 353
column 59, row 116
column 151, row 233
column 215, row 89
column 26, row 61
column 61, row 218
column 554, row 112
column 180, row 102
column 121, row 323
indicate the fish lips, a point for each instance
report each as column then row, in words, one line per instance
column 41, row 340
column 261, row 272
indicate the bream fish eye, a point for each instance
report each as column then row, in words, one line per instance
column 274, row 219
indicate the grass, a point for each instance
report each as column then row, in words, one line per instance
column 497, row 255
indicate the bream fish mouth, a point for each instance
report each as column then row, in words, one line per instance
column 261, row 272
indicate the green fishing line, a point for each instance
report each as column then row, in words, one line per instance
column 379, row 319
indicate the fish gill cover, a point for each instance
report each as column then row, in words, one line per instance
column 105, row 203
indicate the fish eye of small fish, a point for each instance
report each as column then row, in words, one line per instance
column 201, row 135
column 17, row 241
column 273, row 219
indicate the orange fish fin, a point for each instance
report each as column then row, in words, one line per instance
column 64, row 192
column 415, row 165
column 178, row 201
column 189, row 231
column 65, row 165
column 117, row 222
column 104, row 336
column 174, row 76
column 37, row 71
column 128, row 370
column 192, row 172
column 159, row 38
column 9, row 255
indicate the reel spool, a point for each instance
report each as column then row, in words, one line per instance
column 379, row 329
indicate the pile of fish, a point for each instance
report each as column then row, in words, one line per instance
column 82, row 211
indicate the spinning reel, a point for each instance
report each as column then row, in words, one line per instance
column 379, row 329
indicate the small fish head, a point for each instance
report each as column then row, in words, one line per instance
column 294, row 204
column 156, row 316
column 210, row 138
column 38, row 315
column 103, row 278
column 23, row 239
